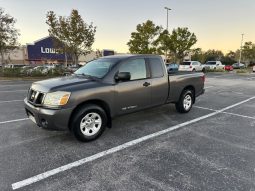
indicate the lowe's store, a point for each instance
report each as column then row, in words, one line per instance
column 43, row 52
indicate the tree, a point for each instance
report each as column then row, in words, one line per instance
column 73, row 36
column 198, row 55
column 230, row 58
column 213, row 55
column 143, row 41
column 249, row 52
column 8, row 34
column 180, row 41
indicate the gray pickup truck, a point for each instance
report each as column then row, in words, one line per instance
column 86, row 102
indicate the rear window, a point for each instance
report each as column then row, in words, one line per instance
column 186, row 63
column 210, row 63
column 156, row 68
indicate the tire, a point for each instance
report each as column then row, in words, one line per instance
column 194, row 70
column 185, row 102
column 89, row 123
column 203, row 70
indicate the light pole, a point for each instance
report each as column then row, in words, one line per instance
column 240, row 57
column 167, row 9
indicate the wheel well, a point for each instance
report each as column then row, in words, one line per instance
column 99, row 103
column 193, row 90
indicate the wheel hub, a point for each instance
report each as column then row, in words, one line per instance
column 91, row 124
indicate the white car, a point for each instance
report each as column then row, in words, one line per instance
column 213, row 65
column 41, row 69
column 192, row 66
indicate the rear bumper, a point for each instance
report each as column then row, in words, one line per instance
column 48, row 118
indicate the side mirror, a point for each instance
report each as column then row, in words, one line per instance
column 123, row 76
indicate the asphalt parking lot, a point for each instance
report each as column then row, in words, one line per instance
column 210, row 148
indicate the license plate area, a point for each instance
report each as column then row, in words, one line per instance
column 31, row 116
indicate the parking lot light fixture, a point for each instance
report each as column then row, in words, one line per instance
column 241, row 48
column 167, row 9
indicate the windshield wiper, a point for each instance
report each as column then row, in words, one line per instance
column 88, row 76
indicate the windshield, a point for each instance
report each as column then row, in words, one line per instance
column 97, row 68
column 210, row 63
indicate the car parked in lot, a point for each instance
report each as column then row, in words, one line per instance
column 39, row 69
column 13, row 66
column 229, row 68
column 192, row 66
column 86, row 102
column 172, row 67
column 214, row 65
column 238, row 66
column 26, row 69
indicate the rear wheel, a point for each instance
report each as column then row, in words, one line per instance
column 185, row 102
column 89, row 123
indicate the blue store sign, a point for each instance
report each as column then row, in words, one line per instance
column 44, row 50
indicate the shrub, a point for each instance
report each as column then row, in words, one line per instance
column 215, row 70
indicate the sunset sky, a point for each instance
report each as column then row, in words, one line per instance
column 218, row 24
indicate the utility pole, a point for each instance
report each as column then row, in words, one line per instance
column 240, row 57
column 167, row 9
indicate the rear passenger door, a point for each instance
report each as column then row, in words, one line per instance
column 159, row 82
column 135, row 94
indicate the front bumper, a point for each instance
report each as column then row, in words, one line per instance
column 54, row 119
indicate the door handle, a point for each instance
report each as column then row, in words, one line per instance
column 146, row 84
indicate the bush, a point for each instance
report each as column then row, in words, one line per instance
column 215, row 70
column 20, row 72
column 241, row 71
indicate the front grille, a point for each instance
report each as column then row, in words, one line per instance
column 35, row 97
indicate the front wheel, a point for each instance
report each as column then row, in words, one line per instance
column 185, row 102
column 89, row 123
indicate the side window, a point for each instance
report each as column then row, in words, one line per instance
column 136, row 67
column 156, row 68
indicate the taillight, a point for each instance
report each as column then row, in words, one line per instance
column 203, row 78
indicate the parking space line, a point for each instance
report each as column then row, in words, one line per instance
column 208, row 87
column 238, row 115
column 11, row 101
column 80, row 162
column 7, row 91
column 205, row 108
column 15, row 120
column 229, row 113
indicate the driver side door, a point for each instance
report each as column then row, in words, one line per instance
column 135, row 94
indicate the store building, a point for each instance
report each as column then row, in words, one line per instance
column 42, row 51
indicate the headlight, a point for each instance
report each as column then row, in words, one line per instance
column 56, row 98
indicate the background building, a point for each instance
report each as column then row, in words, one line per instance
column 42, row 51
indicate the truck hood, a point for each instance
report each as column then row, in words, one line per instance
column 67, row 83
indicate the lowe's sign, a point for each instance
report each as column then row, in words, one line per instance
column 48, row 50
column 44, row 50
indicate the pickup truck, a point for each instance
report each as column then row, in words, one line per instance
column 86, row 102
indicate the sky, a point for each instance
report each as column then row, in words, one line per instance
column 218, row 24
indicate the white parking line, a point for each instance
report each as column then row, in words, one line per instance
column 10, row 85
column 6, row 91
column 15, row 120
column 11, row 101
column 55, row 171
column 229, row 113
column 208, row 87
column 250, row 78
